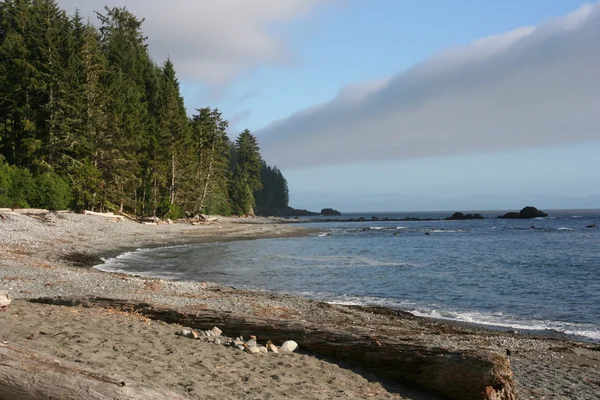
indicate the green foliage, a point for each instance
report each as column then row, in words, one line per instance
column 50, row 191
column 88, row 120
column 20, row 189
column 273, row 197
column 242, row 200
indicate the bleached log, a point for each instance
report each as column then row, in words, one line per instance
column 106, row 214
column 129, row 217
column 27, row 375
column 30, row 210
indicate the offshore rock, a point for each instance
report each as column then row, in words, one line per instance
column 330, row 212
column 458, row 216
column 526, row 213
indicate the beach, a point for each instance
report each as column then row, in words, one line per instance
column 50, row 254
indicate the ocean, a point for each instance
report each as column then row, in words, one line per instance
column 541, row 274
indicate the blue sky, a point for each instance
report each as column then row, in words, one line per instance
column 399, row 105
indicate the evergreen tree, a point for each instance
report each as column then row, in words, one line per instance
column 87, row 119
column 249, row 160
column 209, row 166
column 128, row 61
column 273, row 197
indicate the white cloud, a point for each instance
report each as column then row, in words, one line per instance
column 211, row 41
column 530, row 87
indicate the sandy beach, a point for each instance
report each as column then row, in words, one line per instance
column 50, row 254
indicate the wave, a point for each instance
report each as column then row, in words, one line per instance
column 564, row 228
column 497, row 320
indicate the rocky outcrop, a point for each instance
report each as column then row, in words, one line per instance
column 328, row 212
column 526, row 213
column 458, row 216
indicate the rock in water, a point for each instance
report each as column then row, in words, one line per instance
column 5, row 300
column 289, row 346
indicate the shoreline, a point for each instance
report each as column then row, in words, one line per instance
column 34, row 262
column 531, row 332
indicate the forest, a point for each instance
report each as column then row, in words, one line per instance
column 89, row 121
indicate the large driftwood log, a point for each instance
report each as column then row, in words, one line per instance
column 25, row 375
column 106, row 214
column 461, row 375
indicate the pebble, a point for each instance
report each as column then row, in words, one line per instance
column 289, row 346
column 216, row 331
column 194, row 335
column 263, row 349
column 183, row 332
column 252, row 350
column 272, row 347
column 251, row 343
column 217, row 341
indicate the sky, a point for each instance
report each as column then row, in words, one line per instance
column 398, row 105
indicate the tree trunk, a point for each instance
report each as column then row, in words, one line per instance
column 26, row 375
column 460, row 375
column 172, row 188
column 208, row 174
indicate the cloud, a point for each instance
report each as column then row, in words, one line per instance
column 530, row 87
column 209, row 41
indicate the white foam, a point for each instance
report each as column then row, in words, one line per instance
column 565, row 229
column 500, row 320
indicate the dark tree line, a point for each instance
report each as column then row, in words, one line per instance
column 89, row 121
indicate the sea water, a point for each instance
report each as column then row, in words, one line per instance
column 540, row 274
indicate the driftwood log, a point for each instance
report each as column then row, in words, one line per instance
column 461, row 375
column 25, row 375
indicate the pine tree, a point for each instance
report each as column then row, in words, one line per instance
column 128, row 61
column 249, row 159
column 91, row 121
column 86, row 112
column 209, row 166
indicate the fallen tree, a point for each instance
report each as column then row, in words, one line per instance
column 461, row 375
column 26, row 375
